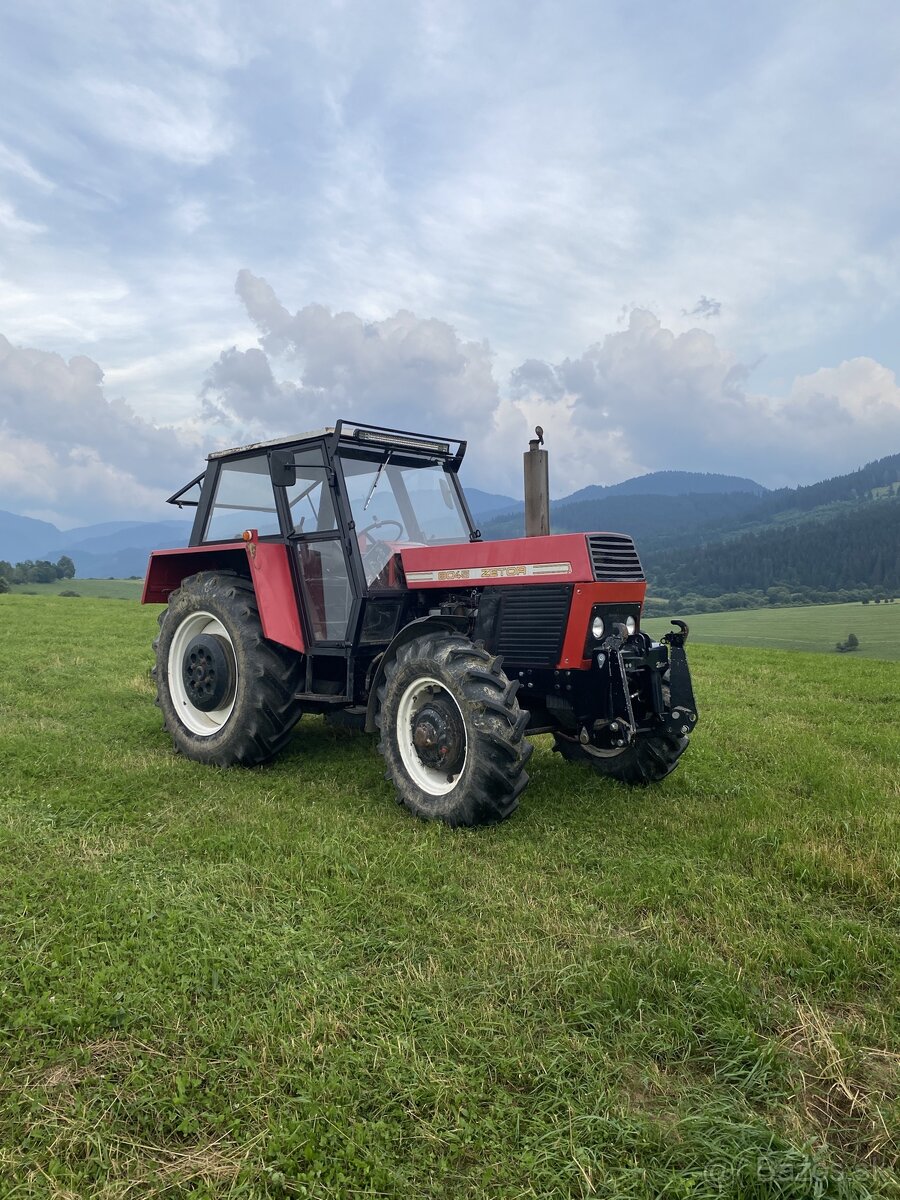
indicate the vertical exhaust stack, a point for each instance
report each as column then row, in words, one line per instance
column 537, row 487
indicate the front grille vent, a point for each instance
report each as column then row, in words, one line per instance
column 531, row 624
column 614, row 558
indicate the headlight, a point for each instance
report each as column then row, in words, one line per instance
column 597, row 627
column 630, row 625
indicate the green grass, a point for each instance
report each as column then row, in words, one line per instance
column 104, row 589
column 273, row 983
column 814, row 627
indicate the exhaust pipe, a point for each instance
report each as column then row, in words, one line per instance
column 537, row 487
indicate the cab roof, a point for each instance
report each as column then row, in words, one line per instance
column 272, row 443
column 346, row 433
column 358, row 434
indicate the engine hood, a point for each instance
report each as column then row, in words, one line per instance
column 559, row 558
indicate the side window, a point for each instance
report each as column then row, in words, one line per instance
column 244, row 499
column 310, row 499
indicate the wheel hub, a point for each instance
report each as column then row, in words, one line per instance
column 208, row 673
column 439, row 737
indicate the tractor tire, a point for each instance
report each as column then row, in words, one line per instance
column 226, row 694
column 452, row 732
column 649, row 759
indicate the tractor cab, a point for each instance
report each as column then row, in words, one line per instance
column 340, row 572
column 344, row 501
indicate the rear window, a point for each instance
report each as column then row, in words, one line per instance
column 244, row 499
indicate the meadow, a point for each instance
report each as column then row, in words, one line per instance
column 815, row 627
column 102, row 589
column 274, row 983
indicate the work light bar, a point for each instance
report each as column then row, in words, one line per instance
column 401, row 442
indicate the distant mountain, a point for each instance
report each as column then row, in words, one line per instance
column 568, row 513
column 669, row 483
column 139, row 535
column 19, row 536
column 80, row 532
column 655, row 520
column 111, row 548
column 842, row 534
column 485, row 504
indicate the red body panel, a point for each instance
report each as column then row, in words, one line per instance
column 584, row 597
column 167, row 568
column 507, row 562
column 269, row 569
column 275, row 593
column 520, row 560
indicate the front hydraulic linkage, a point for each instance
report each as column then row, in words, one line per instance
column 681, row 715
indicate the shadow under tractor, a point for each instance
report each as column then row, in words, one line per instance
column 340, row 572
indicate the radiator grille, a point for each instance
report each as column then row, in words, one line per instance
column 613, row 557
column 532, row 623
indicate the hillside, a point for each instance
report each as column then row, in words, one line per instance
column 856, row 550
column 873, row 480
column 800, row 544
column 654, row 521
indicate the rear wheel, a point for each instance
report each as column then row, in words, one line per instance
column 226, row 694
column 452, row 732
column 649, row 758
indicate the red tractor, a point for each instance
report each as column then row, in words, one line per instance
column 341, row 573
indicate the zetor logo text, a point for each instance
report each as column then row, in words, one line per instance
column 483, row 573
column 511, row 572
column 501, row 572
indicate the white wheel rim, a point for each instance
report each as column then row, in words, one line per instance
column 204, row 724
column 429, row 779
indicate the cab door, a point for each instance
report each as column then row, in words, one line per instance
column 318, row 545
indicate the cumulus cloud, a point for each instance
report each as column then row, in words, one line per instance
column 403, row 371
column 71, row 450
column 642, row 398
column 649, row 398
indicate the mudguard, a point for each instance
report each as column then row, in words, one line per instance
column 408, row 633
column 266, row 563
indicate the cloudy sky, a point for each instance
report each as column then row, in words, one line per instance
column 668, row 232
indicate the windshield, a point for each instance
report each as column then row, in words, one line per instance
column 395, row 501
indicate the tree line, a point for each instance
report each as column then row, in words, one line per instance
column 41, row 571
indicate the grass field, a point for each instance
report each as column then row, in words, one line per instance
column 274, row 983
column 815, row 627
column 104, row 589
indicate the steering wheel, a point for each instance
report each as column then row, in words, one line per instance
column 378, row 525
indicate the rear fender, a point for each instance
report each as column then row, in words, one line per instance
column 408, row 633
column 167, row 569
column 266, row 563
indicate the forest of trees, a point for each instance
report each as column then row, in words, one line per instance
column 853, row 556
column 42, row 571
column 880, row 476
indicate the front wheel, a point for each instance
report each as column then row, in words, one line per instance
column 649, row 758
column 452, row 732
column 227, row 694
